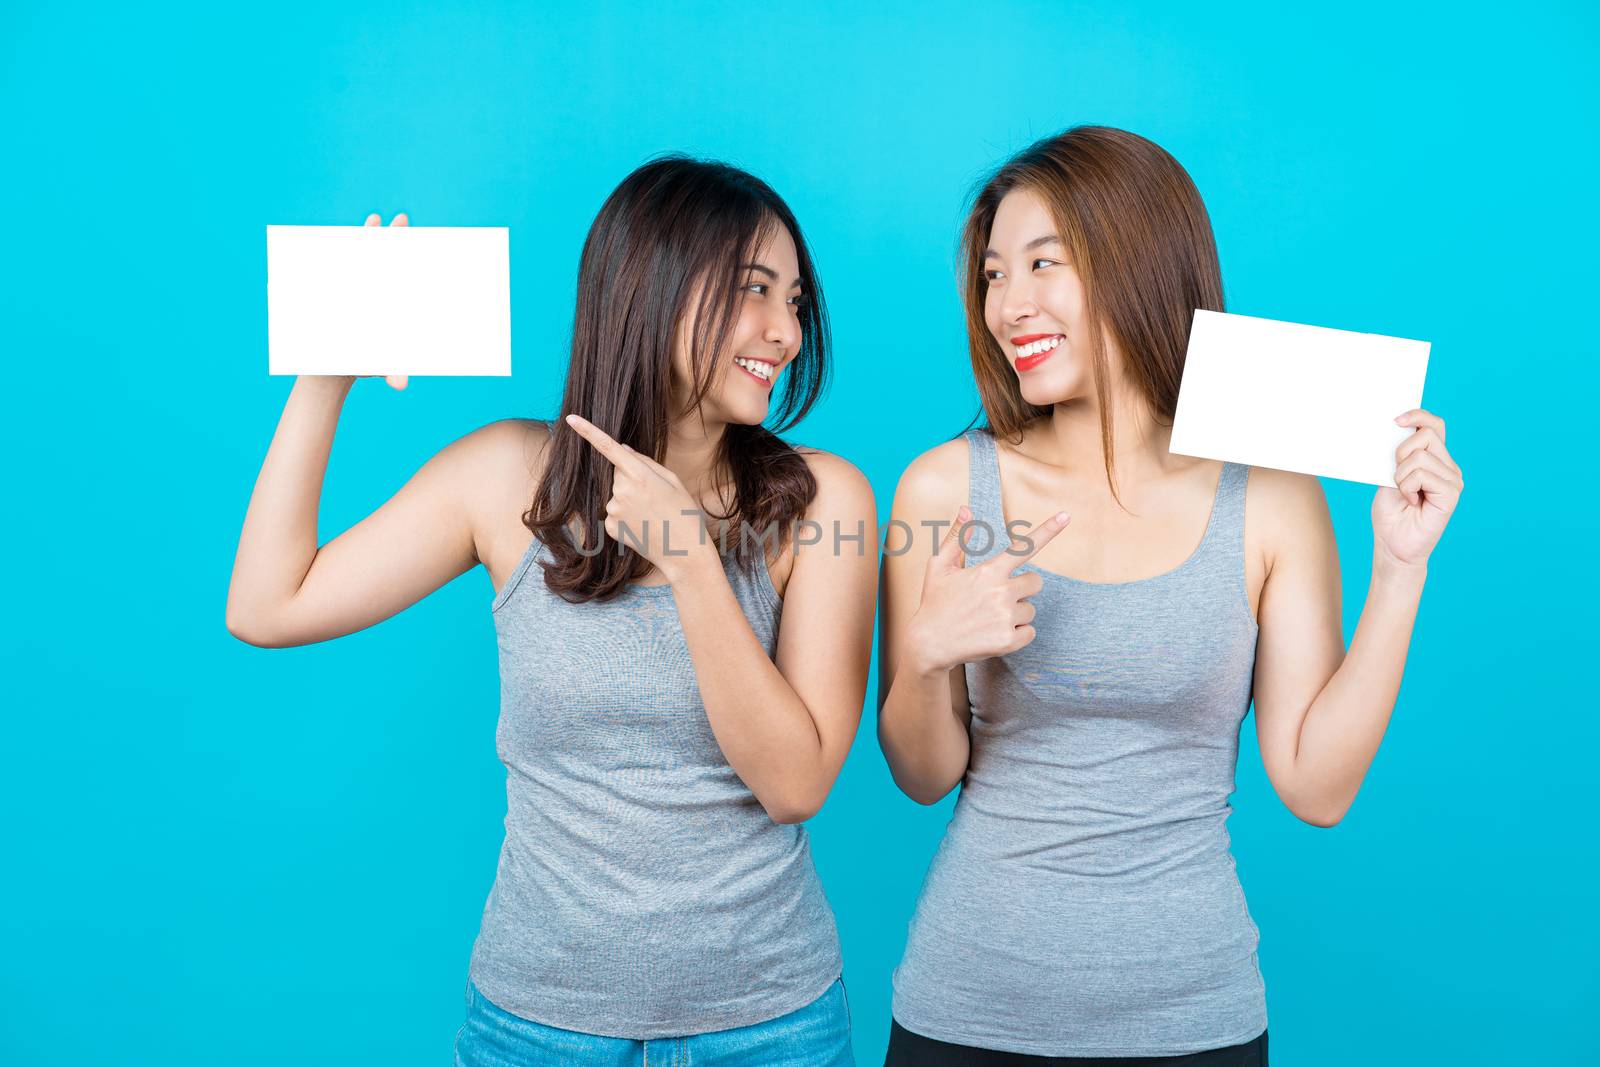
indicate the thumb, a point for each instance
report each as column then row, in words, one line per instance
column 951, row 553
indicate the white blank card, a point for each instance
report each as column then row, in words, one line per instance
column 1296, row 398
column 388, row 300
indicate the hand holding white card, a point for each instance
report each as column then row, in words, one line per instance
column 389, row 300
column 1296, row 398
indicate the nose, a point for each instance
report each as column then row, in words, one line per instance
column 1017, row 303
column 783, row 329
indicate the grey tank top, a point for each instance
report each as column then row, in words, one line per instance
column 1083, row 901
column 642, row 890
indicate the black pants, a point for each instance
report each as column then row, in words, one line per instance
column 907, row 1049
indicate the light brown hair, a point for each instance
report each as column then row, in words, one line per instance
column 1140, row 240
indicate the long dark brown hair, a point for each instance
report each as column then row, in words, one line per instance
column 674, row 227
column 1141, row 242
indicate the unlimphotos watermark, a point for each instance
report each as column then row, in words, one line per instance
column 675, row 536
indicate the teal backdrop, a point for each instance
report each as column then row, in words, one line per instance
column 218, row 854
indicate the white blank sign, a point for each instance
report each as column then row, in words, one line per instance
column 1296, row 398
column 388, row 300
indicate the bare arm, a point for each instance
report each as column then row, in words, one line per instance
column 786, row 724
column 923, row 708
column 1321, row 712
column 940, row 615
column 285, row 590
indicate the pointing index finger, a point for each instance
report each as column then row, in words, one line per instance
column 1043, row 534
column 617, row 452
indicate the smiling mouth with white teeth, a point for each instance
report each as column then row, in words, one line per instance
column 1036, row 350
column 760, row 370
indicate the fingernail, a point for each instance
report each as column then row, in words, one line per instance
column 1062, row 516
column 963, row 514
column 1401, row 419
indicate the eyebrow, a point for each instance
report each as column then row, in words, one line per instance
column 769, row 272
column 1037, row 242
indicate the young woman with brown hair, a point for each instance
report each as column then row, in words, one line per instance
column 1084, row 902
column 664, row 737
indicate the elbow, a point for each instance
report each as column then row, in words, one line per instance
column 790, row 816
column 1323, row 816
column 926, row 785
column 791, row 812
column 248, row 631
column 241, row 630
column 928, row 797
column 1315, row 800
column 925, row 793
column 1319, row 820
column 795, row 806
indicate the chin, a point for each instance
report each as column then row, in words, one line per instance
column 746, row 414
column 1062, row 383
column 1045, row 394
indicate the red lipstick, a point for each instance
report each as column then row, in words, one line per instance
column 1027, row 363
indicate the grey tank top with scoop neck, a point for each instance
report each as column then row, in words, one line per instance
column 1083, row 900
column 642, row 890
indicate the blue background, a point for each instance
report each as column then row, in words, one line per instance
column 219, row 854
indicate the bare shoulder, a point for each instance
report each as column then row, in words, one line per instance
column 935, row 482
column 1285, row 510
column 505, row 451
column 502, row 463
column 844, row 500
column 841, row 486
column 845, row 505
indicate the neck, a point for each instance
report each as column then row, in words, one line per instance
column 691, row 449
column 1070, row 439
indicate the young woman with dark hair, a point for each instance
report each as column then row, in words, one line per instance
column 664, row 737
column 1083, row 905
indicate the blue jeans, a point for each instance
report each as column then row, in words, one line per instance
column 817, row 1035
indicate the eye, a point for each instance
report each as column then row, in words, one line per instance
column 1039, row 261
column 993, row 275
column 798, row 300
column 759, row 288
